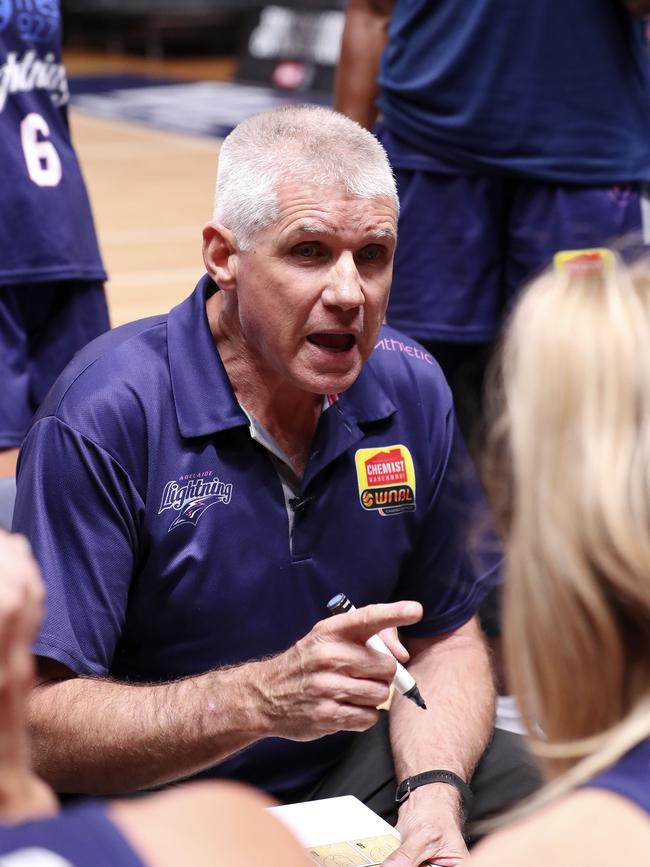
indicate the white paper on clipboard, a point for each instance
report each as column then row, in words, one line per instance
column 331, row 821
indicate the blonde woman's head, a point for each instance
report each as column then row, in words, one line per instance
column 569, row 470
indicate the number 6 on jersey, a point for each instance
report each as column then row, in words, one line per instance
column 43, row 163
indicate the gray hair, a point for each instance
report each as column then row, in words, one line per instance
column 301, row 143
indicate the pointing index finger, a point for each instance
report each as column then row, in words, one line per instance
column 362, row 623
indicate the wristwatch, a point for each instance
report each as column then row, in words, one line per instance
column 410, row 783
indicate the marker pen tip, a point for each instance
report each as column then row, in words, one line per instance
column 414, row 695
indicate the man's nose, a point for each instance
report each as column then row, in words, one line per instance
column 344, row 284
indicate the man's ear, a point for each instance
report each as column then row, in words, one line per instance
column 220, row 255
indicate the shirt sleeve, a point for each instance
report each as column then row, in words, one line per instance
column 457, row 558
column 81, row 513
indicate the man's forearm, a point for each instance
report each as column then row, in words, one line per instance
column 98, row 736
column 364, row 39
column 455, row 679
column 103, row 737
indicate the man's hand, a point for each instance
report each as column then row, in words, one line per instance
column 329, row 681
column 22, row 794
column 430, row 825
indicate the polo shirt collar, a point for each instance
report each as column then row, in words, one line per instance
column 204, row 398
column 366, row 400
column 343, row 425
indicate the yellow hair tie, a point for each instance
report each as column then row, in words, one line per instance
column 583, row 261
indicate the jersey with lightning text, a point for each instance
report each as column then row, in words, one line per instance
column 46, row 230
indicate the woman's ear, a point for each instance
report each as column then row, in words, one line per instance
column 220, row 255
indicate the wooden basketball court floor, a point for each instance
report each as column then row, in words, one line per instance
column 151, row 192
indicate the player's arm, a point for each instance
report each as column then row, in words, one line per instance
column 364, row 39
column 454, row 677
column 98, row 736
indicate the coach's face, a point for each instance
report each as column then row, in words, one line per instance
column 312, row 289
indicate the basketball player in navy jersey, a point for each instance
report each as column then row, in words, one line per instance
column 52, row 298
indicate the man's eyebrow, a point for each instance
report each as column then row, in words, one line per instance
column 312, row 229
column 308, row 228
column 379, row 234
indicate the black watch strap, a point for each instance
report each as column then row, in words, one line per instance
column 406, row 786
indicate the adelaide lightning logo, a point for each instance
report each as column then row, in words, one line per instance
column 192, row 495
column 386, row 478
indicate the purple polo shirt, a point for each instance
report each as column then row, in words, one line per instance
column 162, row 530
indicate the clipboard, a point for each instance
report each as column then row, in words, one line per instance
column 339, row 832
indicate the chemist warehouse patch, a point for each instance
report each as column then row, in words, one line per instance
column 386, row 479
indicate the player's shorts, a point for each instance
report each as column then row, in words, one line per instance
column 41, row 328
column 467, row 244
column 80, row 836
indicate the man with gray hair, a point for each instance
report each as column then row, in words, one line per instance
column 198, row 485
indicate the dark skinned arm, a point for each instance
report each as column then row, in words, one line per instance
column 364, row 39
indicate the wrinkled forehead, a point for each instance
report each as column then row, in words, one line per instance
column 314, row 208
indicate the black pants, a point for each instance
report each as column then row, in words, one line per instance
column 465, row 367
column 506, row 774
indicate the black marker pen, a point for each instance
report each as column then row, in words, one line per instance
column 403, row 681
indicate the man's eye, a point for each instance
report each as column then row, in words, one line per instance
column 372, row 252
column 306, row 251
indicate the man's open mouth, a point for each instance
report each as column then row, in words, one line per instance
column 333, row 342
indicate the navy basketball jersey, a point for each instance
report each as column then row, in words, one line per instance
column 79, row 836
column 629, row 777
column 46, row 227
